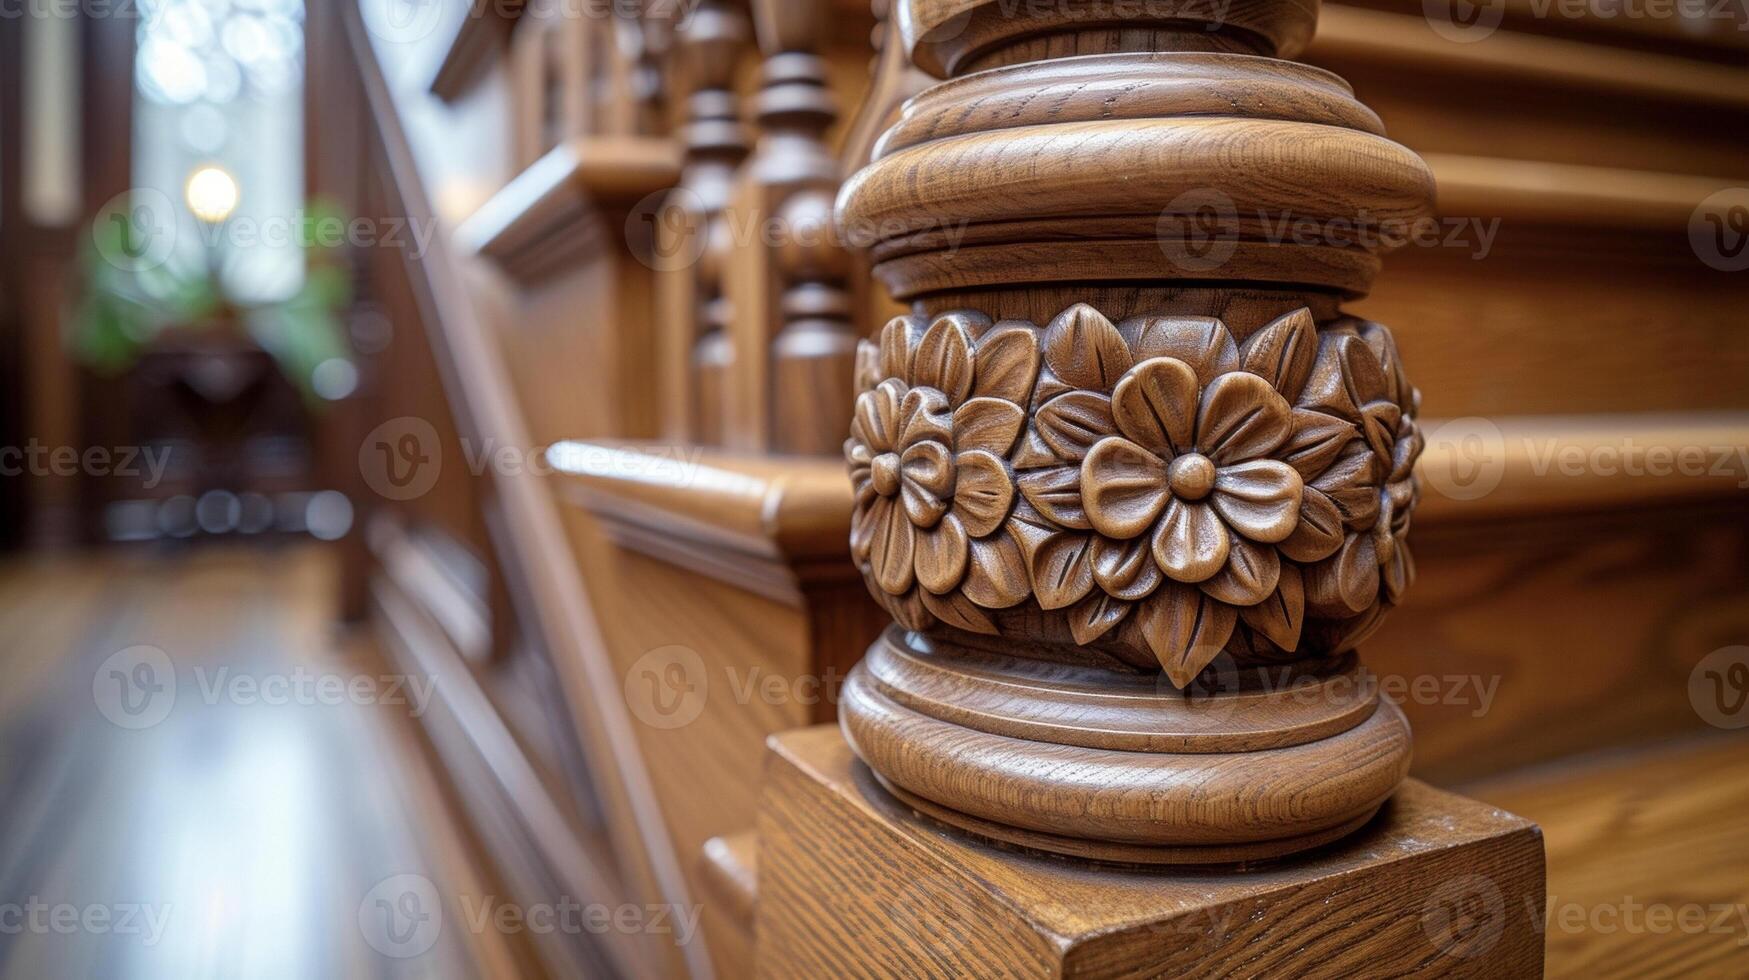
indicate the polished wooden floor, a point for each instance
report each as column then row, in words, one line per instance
column 240, row 838
column 246, row 833
column 1648, row 857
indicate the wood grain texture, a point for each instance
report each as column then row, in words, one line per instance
column 853, row 883
column 1656, row 828
column 529, row 537
column 1146, row 480
column 788, row 293
column 693, row 311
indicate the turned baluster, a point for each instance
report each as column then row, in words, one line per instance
column 1131, row 482
column 693, row 242
column 787, row 285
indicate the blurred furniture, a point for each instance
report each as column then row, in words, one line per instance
column 631, row 563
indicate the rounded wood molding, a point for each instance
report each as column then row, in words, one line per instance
column 1145, row 167
column 1127, row 443
column 953, row 37
column 1101, row 764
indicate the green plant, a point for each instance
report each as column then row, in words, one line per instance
column 119, row 312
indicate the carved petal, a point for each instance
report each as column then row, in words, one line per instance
column 1241, row 417
column 899, row 344
column 1095, row 615
column 868, row 365
column 1406, row 451
column 877, row 415
column 892, row 553
column 926, row 480
column 944, row 359
column 956, row 610
column 1056, row 492
column 941, row 555
column 1379, row 422
column 1071, row 423
column 908, row 610
column 1250, row 575
column 1202, row 342
column 1007, row 364
column 1398, row 573
column 1259, row 499
column 1126, row 569
column 1384, row 347
column 1190, row 542
column 1346, row 582
column 1351, row 485
column 987, row 423
column 1186, row 630
column 983, row 494
column 1032, row 453
column 1123, row 487
column 1318, row 533
column 1317, row 440
column 1155, row 404
column 866, row 522
column 924, row 416
column 1281, row 616
column 861, row 465
column 1345, row 376
column 1062, row 570
column 1084, row 350
column 998, row 577
column 1282, row 353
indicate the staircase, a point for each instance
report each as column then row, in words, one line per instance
column 613, row 514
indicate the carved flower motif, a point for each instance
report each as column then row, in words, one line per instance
column 927, row 456
column 1372, row 567
column 924, row 486
column 1191, row 469
column 1179, row 494
column 1176, row 451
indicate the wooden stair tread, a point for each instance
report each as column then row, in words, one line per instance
column 1630, row 833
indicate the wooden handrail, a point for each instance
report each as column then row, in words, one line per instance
column 531, row 541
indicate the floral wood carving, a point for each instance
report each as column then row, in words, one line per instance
column 1151, row 490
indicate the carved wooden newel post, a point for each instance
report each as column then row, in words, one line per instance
column 1130, row 481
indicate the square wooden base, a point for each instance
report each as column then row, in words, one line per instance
column 853, row 883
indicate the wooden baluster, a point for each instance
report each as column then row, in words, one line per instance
column 693, row 241
column 892, row 80
column 1134, row 487
column 791, row 308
